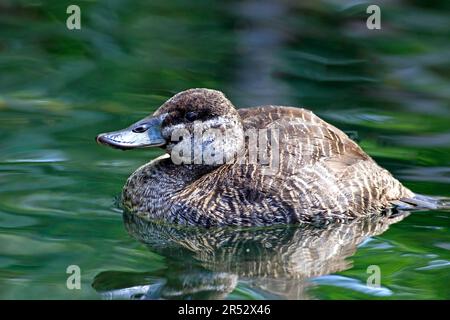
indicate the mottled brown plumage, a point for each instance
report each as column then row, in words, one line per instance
column 322, row 175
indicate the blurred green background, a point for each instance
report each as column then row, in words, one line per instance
column 60, row 87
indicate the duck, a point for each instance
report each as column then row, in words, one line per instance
column 257, row 166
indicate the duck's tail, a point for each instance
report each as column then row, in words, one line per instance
column 422, row 202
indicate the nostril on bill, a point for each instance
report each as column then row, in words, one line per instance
column 140, row 129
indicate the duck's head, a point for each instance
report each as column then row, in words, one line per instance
column 191, row 122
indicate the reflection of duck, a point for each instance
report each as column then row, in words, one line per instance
column 276, row 261
column 318, row 175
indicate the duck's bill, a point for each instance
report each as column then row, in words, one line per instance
column 142, row 134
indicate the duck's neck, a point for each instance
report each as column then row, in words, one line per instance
column 151, row 187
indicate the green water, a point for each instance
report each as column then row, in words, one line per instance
column 389, row 88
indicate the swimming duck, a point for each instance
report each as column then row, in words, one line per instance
column 249, row 167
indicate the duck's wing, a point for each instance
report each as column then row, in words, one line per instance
column 319, row 166
column 303, row 136
column 306, row 141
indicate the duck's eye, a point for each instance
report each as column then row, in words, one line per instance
column 191, row 116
